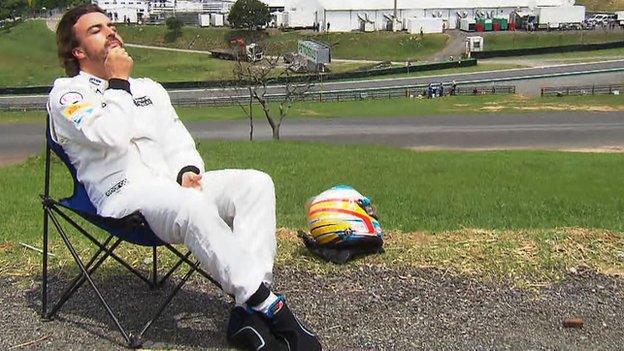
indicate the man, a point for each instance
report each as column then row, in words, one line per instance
column 132, row 153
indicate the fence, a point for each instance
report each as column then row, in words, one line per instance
column 354, row 94
column 313, row 78
column 583, row 90
column 333, row 95
column 546, row 50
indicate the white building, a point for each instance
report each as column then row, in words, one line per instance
column 348, row 15
column 124, row 11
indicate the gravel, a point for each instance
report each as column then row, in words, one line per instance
column 362, row 308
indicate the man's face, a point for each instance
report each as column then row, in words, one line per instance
column 96, row 35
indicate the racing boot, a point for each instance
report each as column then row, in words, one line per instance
column 284, row 324
column 248, row 330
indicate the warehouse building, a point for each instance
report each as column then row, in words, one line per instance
column 368, row 15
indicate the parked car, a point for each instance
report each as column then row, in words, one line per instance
column 598, row 19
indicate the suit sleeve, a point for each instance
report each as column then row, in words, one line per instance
column 86, row 117
column 180, row 151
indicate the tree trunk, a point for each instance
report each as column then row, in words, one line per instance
column 276, row 132
column 251, row 126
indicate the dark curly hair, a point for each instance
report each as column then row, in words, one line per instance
column 66, row 40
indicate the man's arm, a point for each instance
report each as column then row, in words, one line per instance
column 102, row 120
column 178, row 144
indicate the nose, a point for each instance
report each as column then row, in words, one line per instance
column 109, row 31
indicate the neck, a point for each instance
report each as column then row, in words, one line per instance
column 94, row 69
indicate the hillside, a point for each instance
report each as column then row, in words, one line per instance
column 602, row 5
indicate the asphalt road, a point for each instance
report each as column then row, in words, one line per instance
column 564, row 130
column 528, row 81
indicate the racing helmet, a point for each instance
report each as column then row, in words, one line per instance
column 341, row 217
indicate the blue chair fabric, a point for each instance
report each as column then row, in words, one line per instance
column 132, row 228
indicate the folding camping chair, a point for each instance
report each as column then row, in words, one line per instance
column 132, row 229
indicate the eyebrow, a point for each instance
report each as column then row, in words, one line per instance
column 99, row 25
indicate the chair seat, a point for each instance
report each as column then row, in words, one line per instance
column 132, row 228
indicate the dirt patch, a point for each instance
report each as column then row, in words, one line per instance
column 492, row 108
column 558, row 107
column 604, row 149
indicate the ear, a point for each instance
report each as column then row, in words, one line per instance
column 78, row 53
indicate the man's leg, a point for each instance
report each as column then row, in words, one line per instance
column 246, row 201
column 184, row 216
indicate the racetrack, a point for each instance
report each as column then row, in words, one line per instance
column 550, row 131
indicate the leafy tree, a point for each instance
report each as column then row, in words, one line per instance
column 12, row 8
column 174, row 26
column 249, row 14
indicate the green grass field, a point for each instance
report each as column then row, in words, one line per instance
column 397, row 107
column 518, row 40
column 602, row 5
column 28, row 57
column 568, row 57
column 387, row 45
column 514, row 215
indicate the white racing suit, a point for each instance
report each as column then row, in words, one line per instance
column 129, row 150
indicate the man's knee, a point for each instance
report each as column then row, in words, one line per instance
column 260, row 180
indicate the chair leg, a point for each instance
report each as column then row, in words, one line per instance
column 199, row 269
column 77, row 282
column 154, row 267
column 84, row 271
column 169, row 298
column 44, row 277
column 98, row 244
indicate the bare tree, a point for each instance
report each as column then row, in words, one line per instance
column 259, row 76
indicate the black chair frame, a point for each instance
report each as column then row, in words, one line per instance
column 55, row 211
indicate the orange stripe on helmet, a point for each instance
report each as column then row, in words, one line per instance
column 365, row 218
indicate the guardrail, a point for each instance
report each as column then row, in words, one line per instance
column 583, row 90
column 354, row 94
column 421, row 67
column 420, row 90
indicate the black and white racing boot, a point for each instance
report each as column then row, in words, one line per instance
column 285, row 325
column 248, row 330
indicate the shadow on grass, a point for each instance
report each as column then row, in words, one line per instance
column 196, row 317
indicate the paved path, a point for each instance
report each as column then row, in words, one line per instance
column 556, row 131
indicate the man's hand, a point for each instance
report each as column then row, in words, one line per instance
column 191, row 180
column 118, row 63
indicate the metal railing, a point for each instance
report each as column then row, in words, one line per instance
column 321, row 96
column 583, row 90
column 352, row 94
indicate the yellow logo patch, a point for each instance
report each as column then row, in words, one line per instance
column 78, row 112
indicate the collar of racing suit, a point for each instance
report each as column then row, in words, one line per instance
column 98, row 84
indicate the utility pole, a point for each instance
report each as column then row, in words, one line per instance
column 394, row 18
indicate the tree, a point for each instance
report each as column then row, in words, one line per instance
column 249, row 14
column 174, row 26
column 12, row 8
column 258, row 76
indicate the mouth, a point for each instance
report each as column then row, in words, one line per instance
column 113, row 44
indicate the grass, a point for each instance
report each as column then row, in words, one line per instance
column 518, row 40
column 569, row 57
column 388, row 45
column 525, row 214
column 398, row 107
column 28, row 55
column 481, row 66
column 602, row 5
column 32, row 42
